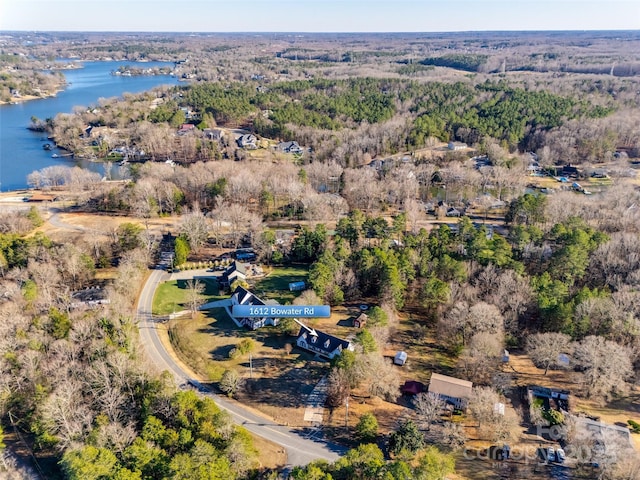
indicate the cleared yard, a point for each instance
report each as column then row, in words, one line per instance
column 275, row 284
column 172, row 296
column 276, row 383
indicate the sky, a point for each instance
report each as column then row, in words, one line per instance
column 318, row 15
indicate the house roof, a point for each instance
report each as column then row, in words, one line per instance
column 42, row 197
column 245, row 297
column 236, row 267
column 247, row 139
column 287, row 145
column 89, row 294
column 450, row 386
column 323, row 342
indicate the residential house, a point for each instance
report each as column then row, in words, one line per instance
column 186, row 128
column 534, row 169
column 91, row 297
column 452, row 390
column 608, row 437
column 289, row 147
column 247, row 141
column 241, row 296
column 569, row 171
column 453, row 212
column 456, row 146
column 600, row 173
column 213, row 134
column 551, row 398
column 323, row 344
column 361, row 320
column 235, row 271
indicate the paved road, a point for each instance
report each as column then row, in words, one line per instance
column 301, row 446
column 55, row 220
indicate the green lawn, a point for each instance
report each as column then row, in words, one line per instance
column 275, row 285
column 171, row 296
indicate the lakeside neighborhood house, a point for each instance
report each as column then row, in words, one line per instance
column 323, row 344
column 247, row 141
column 289, row 147
column 452, row 390
column 242, row 296
column 213, row 134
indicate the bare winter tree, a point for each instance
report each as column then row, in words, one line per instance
column 428, row 408
column 482, row 357
column 65, row 414
column 378, row 374
column 415, row 213
column 545, row 349
column 606, row 364
column 338, row 387
column 452, row 435
column 463, row 322
column 195, row 289
column 493, row 424
column 195, row 227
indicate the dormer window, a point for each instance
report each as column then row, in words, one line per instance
column 314, row 339
column 326, row 344
column 304, row 336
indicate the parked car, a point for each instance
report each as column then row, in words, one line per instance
column 560, row 455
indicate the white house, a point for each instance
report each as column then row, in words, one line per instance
column 323, row 344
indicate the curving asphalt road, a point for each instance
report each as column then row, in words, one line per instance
column 300, row 445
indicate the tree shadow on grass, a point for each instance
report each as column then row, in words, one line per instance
column 221, row 325
column 222, row 352
column 211, row 287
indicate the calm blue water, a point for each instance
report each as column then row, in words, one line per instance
column 21, row 150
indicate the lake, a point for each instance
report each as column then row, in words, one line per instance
column 21, row 150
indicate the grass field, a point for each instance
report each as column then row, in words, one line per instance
column 171, row 296
column 275, row 285
column 276, row 383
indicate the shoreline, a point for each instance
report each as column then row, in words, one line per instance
column 29, row 98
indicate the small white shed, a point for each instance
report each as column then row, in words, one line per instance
column 400, row 358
